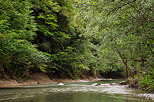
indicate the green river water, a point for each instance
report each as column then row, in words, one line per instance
column 72, row 92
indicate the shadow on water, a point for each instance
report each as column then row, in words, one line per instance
column 72, row 92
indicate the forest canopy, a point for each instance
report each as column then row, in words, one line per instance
column 77, row 39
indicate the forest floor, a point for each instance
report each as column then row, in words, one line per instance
column 41, row 78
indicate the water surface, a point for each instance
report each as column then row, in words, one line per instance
column 72, row 92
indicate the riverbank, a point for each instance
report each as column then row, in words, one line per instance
column 41, row 78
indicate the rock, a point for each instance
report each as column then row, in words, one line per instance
column 113, row 84
column 122, row 83
column 60, row 84
column 94, row 84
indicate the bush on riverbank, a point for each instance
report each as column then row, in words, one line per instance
column 144, row 81
column 147, row 81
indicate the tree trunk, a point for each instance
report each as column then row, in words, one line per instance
column 2, row 72
column 127, row 69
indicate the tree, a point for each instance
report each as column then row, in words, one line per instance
column 125, row 30
column 17, row 53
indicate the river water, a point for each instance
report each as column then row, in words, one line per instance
column 73, row 92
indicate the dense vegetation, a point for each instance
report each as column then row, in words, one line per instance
column 78, row 38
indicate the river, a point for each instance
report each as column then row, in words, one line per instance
column 73, row 92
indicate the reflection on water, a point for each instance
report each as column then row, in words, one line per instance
column 79, row 92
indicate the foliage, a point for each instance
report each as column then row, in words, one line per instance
column 122, row 32
column 17, row 54
column 78, row 38
column 147, row 80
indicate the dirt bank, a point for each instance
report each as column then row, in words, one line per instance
column 39, row 78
